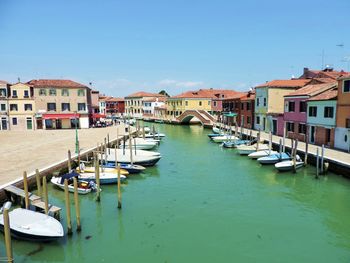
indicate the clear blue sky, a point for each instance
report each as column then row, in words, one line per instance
column 127, row 46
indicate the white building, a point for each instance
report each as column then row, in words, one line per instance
column 148, row 105
column 4, row 119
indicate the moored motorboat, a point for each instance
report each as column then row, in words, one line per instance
column 234, row 143
column 83, row 186
column 288, row 165
column 258, row 154
column 274, row 158
column 216, row 130
column 105, row 178
column 248, row 149
column 131, row 168
column 223, row 138
column 140, row 144
column 91, row 169
column 32, row 226
column 211, row 135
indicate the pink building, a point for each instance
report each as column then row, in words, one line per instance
column 295, row 109
column 219, row 96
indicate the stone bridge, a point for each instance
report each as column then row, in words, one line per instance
column 203, row 116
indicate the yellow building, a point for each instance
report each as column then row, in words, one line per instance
column 194, row 100
column 21, row 107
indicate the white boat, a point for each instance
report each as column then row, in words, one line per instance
column 288, row 165
column 248, row 149
column 32, row 226
column 259, row 154
column 83, row 186
column 147, row 129
column 275, row 158
column 141, row 144
column 224, row 138
column 216, row 130
column 144, row 158
column 155, row 135
column 91, row 169
column 105, row 178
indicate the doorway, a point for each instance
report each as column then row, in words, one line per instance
column 3, row 125
column 29, row 124
column 274, row 127
column 312, row 134
column 39, row 124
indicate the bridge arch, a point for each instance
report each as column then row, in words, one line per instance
column 203, row 116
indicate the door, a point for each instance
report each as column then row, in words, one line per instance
column 264, row 123
column 328, row 137
column 3, row 124
column 312, row 134
column 29, row 124
column 274, row 127
column 39, row 124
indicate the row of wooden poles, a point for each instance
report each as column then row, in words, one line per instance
column 43, row 192
column 321, row 167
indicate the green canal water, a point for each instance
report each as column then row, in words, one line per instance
column 203, row 203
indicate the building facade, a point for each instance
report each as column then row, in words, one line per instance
column 4, row 114
column 321, row 117
column 295, row 109
column 134, row 102
column 61, row 104
column 342, row 130
column 149, row 106
column 21, row 107
column 269, row 103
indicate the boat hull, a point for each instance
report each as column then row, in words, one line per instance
column 275, row 158
column 288, row 166
column 259, row 154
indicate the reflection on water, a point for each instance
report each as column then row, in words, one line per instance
column 203, row 203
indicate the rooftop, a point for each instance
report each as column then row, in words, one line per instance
column 207, row 93
column 285, row 83
column 327, row 95
column 59, row 83
column 3, row 82
column 312, row 89
column 144, row 94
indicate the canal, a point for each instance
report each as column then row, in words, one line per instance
column 203, row 203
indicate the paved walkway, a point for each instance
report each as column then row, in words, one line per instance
column 29, row 150
column 330, row 154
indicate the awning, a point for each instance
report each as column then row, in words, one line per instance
column 61, row 116
column 230, row 114
column 97, row 115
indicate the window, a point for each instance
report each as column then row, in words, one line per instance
column 264, row 102
column 28, row 107
column 52, row 92
column 82, row 107
column 200, row 103
column 13, row 107
column 26, row 94
column 42, row 92
column 302, row 128
column 242, row 106
column 302, row 106
column 312, row 111
column 186, row 103
column 65, row 92
column 291, row 106
column 81, row 92
column 214, row 103
column 65, row 106
column 257, row 120
column 14, row 121
column 51, row 107
column 347, row 123
column 208, row 102
column 2, row 92
column 14, row 94
column 248, row 105
column 2, row 107
column 248, row 119
column 328, row 112
column 257, row 102
column 290, row 126
column 346, row 86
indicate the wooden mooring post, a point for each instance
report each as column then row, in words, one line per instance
column 317, row 162
column 7, row 233
column 66, row 197
column 46, row 196
column 295, row 156
column 108, row 146
column 306, row 146
column 69, row 161
column 322, row 159
column 38, row 184
column 76, row 203
column 25, row 188
column 97, row 175
column 119, row 191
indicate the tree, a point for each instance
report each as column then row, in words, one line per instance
column 163, row 92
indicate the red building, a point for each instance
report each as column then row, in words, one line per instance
column 233, row 106
column 115, row 106
column 247, row 110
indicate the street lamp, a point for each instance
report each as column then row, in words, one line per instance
column 76, row 134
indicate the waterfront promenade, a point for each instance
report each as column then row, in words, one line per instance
column 29, row 150
column 335, row 156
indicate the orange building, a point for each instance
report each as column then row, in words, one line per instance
column 342, row 130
